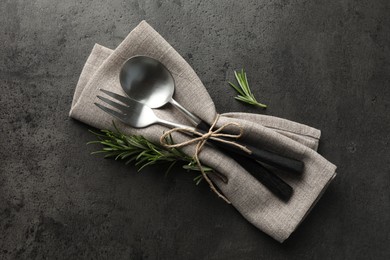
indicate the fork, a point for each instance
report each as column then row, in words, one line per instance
column 138, row 115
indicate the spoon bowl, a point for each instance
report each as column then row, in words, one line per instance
column 147, row 81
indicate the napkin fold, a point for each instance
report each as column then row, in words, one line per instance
column 260, row 207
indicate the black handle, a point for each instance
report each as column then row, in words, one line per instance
column 271, row 181
column 261, row 155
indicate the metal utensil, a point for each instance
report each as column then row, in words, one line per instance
column 148, row 81
column 134, row 113
column 138, row 115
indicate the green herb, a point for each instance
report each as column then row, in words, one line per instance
column 245, row 93
column 138, row 149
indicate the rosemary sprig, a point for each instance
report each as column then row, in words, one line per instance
column 138, row 149
column 244, row 92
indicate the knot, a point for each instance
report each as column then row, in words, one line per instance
column 201, row 139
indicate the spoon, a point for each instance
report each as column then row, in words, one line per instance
column 138, row 115
column 148, row 81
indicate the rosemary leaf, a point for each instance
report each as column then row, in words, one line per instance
column 244, row 92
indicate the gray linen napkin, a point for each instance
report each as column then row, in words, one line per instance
column 260, row 207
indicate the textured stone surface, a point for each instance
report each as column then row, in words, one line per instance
column 323, row 63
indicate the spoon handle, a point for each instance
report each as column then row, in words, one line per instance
column 190, row 116
column 261, row 155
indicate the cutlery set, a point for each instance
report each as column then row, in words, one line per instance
column 149, row 85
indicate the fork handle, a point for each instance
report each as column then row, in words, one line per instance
column 270, row 180
column 261, row 155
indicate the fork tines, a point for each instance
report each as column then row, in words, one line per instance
column 124, row 109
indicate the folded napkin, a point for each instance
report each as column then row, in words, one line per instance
column 260, row 207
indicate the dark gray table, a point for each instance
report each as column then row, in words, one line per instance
column 322, row 63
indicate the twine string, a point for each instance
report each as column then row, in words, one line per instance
column 200, row 141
